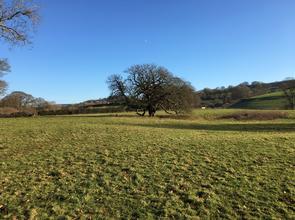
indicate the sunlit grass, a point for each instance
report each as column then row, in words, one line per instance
column 132, row 167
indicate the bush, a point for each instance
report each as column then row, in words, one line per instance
column 13, row 113
column 255, row 115
column 7, row 110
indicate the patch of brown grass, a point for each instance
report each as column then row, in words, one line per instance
column 255, row 115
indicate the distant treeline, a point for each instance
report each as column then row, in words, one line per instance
column 20, row 104
column 82, row 110
column 226, row 96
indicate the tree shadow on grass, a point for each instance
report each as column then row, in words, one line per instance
column 241, row 127
column 177, row 117
column 102, row 116
column 259, row 127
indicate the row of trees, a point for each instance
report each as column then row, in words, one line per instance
column 223, row 97
column 147, row 88
column 22, row 101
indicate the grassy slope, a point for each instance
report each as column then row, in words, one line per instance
column 141, row 168
column 274, row 100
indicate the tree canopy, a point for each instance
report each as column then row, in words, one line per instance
column 18, row 19
column 149, row 88
column 21, row 100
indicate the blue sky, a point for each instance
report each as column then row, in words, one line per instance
column 207, row 42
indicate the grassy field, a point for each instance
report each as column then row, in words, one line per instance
column 101, row 167
column 275, row 100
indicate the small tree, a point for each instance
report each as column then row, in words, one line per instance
column 149, row 87
column 118, row 89
column 3, row 86
column 4, row 68
column 288, row 88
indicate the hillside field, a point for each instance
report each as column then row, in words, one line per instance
column 274, row 100
column 122, row 166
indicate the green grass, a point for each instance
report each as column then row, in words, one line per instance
column 275, row 100
column 98, row 166
column 271, row 94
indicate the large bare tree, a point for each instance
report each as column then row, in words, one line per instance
column 18, row 19
column 149, row 88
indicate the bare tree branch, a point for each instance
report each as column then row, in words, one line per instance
column 18, row 19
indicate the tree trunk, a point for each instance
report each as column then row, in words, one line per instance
column 151, row 110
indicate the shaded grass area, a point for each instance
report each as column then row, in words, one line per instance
column 207, row 114
column 130, row 167
column 251, row 127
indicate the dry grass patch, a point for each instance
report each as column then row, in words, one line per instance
column 255, row 115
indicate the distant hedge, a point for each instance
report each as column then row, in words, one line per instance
column 17, row 114
column 12, row 112
column 69, row 111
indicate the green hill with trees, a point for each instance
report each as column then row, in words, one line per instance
column 274, row 100
column 257, row 95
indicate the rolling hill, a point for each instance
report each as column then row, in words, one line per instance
column 274, row 100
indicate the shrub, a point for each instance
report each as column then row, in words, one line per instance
column 13, row 113
column 7, row 110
